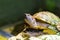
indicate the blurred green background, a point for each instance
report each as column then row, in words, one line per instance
column 12, row 11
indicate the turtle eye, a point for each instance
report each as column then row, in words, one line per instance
column 28, row 15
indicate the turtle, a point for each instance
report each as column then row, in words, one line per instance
column 30, row 20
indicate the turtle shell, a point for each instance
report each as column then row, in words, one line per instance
column 47, row 17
